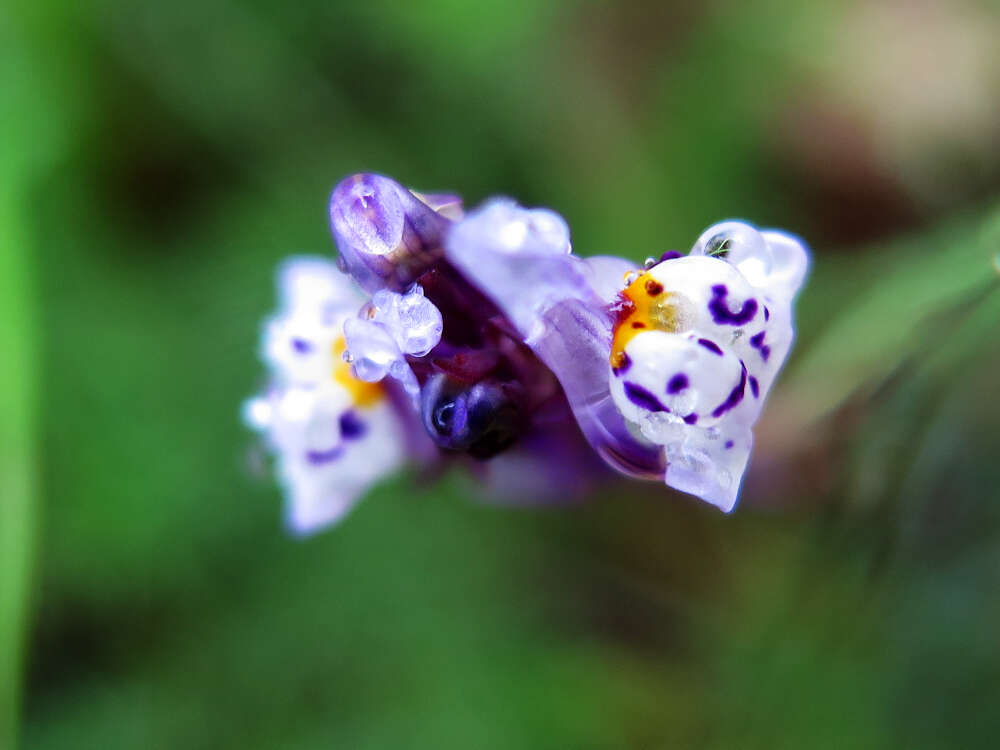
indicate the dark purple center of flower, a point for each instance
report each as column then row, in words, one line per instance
column 721, row 313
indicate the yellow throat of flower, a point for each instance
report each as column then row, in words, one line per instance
column 647, row 307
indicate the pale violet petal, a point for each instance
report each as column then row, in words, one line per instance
column 789, row 266
column 607, row 275
column 314, row 286
column 520, row 258
column 774, row 262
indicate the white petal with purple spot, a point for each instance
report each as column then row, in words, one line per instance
column 694, row 380
column 330, row 447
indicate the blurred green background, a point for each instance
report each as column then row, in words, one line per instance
column 158, row 160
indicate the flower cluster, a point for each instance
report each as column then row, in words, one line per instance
column 482, row 338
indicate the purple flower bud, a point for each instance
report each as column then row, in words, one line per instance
column 387, row 236
column 481, row 420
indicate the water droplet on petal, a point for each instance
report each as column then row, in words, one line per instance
column 740, row 245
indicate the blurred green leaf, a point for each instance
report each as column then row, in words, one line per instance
column 18, row 378
column 877, row 309
column 17, row 468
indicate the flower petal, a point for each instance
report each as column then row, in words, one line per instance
column 333, row 435
column 520, row 258
column 698, row 348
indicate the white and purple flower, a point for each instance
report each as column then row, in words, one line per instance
column 485, row 334
column 334, row 435
column 697, row 345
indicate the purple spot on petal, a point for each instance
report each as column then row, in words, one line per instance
column 670, row 255
column 735, row 396
column 757, row 342
column 691, row 418
column 711, row 346
column 677, row 383
column 351, row 426
column 767, row 314
column 721, row 313
column 754, row 387
column 301, row 345
column 642, row 397
column 318, row 458
column 729, row 444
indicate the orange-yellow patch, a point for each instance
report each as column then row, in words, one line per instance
column 362, row 394
column 645, row 307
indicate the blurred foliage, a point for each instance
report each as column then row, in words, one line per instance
column 170, row 155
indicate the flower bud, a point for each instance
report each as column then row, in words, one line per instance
column 387, row 236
